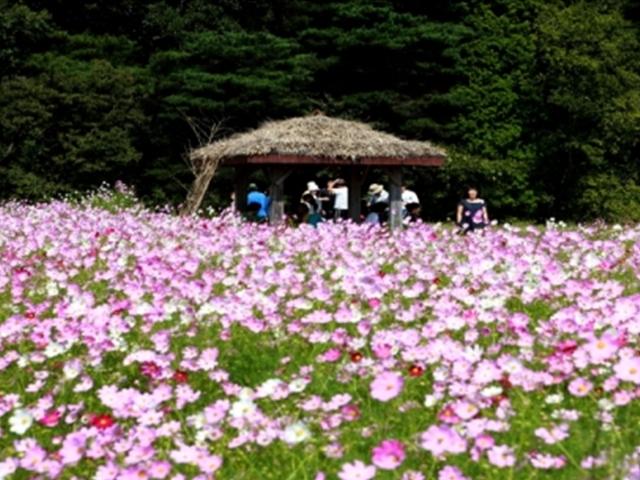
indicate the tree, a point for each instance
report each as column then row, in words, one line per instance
column 588, row 130
column 22, row 32
column 69, row 125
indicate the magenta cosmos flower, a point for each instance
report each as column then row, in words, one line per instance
column 357, row 471
column 386, row 386
column 388, row 455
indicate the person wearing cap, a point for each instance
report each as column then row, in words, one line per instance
column 377, row 194
column 257, row 197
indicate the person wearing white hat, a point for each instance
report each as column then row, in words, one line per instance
column 377, row 194
column 311, row 197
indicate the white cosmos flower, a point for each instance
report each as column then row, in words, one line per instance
column 20, row 421
column 296, row 433
column 71, row 371
column 242, row 408
column 491, row 391
column 53, row 350
column 554, row 399
column 268, row 387
column 297, row 385
column 52, row 289
column 473, row 353
column 245, row 394
column 197, row 421
column 430, row 400
column 606, row 404
column 7, row 467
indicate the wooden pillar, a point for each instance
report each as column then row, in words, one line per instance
column 395, row 198
column 355, row 192
column 240, row 187
column 199, row 187
column 277, row 175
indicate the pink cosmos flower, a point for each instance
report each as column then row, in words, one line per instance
column 107, row 472
column 465, row 410
column 553, row 435
column 484, row 441
column 350, row 412
column 412, row 475
column 388, row 455
column 546, row 461
column 159, row 470
column 334, row 450
column 209, row 463
column 386, row 386
column 601, row 349
column 501, row 456
column 331, row 355
column 33, row 458
column 628, row 369
column 357, row 471
column 580, row 387
column 382, row 350
column 449, row 472
column 441, row 440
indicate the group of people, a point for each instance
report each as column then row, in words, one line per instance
column 320, row 204
column 317, row 205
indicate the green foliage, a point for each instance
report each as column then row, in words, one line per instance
column 605, row 196
column 539, row 101
column 113, row 200
column 21, row 31
column 591, row 87
column 496, row 60
column 70, row 125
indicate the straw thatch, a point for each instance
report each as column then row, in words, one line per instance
column 316, row 136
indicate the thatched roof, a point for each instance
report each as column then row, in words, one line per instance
column 318, row 139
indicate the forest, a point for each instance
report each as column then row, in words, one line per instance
column 537, row 101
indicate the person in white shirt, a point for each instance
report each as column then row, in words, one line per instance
column 409, row 196
column 338, row 188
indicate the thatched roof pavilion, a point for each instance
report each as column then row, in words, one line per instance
column 310, row 140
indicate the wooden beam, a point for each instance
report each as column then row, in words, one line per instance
column 198, row 189
column 355, row 192
column 426, row 161
column 240, row 186
column 395, row 197
column 277, row 175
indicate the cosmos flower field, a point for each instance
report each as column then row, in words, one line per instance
column 141, row 345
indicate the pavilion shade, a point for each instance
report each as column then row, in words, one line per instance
column 318, row 139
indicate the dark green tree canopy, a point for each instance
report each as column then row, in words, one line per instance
column 538, row 101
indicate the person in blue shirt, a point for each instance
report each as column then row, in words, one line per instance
column 255, row 196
